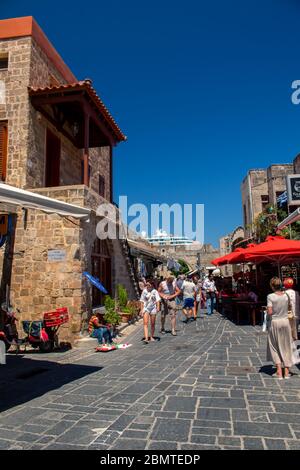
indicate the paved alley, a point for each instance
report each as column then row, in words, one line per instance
column 207, row 388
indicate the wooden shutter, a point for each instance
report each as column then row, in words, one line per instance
column 3, row 150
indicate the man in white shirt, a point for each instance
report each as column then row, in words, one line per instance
column 210, row 290
column 189, row 297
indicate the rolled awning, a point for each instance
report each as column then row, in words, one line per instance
column 290, row 219
column 11, row 197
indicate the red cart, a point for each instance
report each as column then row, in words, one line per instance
column 42, row 334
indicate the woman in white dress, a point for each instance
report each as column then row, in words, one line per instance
column 279, row 349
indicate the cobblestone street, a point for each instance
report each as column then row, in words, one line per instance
column 207, row 388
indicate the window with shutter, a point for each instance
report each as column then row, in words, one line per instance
column 3, row 150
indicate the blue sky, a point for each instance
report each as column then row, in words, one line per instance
column 201, row 89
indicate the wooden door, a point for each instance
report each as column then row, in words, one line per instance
column 3, row 150
column 101, row 269
column 52, row 160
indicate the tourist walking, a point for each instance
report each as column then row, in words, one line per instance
column 210, row 290
column 279, row 348
column 295, row 305
column 150, row 305
column 189, row 297
column 199, row 294
column 179, row 299
column 168, row 291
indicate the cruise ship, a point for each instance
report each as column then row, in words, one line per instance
column 162, row 239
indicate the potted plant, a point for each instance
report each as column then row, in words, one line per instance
column 111, row 316
column 125, row 310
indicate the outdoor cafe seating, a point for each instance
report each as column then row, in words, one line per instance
column 240, row 310
column 274, row 250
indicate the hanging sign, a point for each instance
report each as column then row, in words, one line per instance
column 293, row 189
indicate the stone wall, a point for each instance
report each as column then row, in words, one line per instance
column 39, row 285
column 259, row 188
column 28, row 65
column 264, row 183
column 100, row 165
column 70, row 159
column 251, row 202
column 15, row 109
column 277, row 179
column 296, row 165
column 42, row 70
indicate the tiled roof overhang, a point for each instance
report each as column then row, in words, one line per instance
column 83, row 86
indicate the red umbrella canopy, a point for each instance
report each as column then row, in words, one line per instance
column 275, row 248
column 227, row 258
column 240, row 256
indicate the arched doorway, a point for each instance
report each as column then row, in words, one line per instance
column 101, row 268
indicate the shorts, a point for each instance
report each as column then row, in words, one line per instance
column 188, row 303
column 169, row 307
column 153, row 312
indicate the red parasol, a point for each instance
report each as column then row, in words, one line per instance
column 274, row 249
column 227, row 258
column 236, row 256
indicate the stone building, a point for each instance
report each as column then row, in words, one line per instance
column 262, row 187
column 227, row 244
column 56, row 140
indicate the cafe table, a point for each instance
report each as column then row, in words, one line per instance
column 252, row 308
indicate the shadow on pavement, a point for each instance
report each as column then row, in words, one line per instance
column 268, row 370
column 23, row 379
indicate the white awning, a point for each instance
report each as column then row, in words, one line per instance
column 11, row 197
column 290, row 219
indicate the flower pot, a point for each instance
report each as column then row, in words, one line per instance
column 125, row 317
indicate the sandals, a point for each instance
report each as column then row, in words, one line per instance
column 276, row 376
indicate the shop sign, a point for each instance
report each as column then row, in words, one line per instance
column 56, row 255
column 293, row 189
column 3, row 225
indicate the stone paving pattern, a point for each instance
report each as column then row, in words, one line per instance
column 208, row 388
